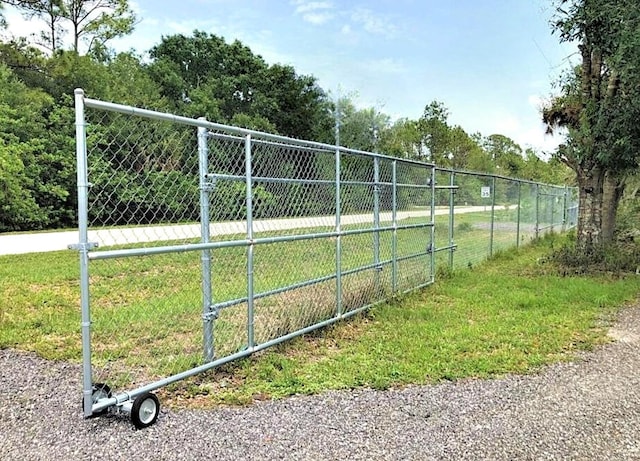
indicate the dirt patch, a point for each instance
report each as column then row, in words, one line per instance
column 624, row 336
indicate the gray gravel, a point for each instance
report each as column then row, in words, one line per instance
column 587, row 409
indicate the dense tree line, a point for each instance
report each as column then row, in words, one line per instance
column 197, row 75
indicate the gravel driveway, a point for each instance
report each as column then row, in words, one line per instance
column 587, row 409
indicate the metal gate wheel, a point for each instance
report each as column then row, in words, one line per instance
column 145, row 410
column 100, row 391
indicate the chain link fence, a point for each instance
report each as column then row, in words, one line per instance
column 202, row 243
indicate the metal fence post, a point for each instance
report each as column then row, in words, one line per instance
column 205, row 255
column 339, row 307
column 537, row 211
column 452, row 209
column 376, row 221
column 565, row 212
column 518, row 214
column 251, row 246
column 552, row 198
column 394, row 224
column 432, row 230
column 83, row 249
column 493, row 213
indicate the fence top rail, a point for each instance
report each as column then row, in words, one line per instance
column 231, row 137
column 202, row 122
column 498, row 176
column 284, row 140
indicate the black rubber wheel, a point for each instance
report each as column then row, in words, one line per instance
column 145, row 410
column 100, row 391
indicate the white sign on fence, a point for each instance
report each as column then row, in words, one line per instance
column 485, row 192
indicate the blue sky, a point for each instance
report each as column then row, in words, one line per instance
column 491, row 62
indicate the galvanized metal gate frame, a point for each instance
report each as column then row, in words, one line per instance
column 97, row 400
column 139, row 402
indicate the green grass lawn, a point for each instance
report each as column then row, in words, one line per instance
column 509, row 315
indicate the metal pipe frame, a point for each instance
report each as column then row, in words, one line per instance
column 83, row 249
column 207, row 178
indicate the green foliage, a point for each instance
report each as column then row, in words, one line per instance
column 618, row 257
column 203, row 75
column 18, row 209
column 629, row 216
column 41, row 154
column 464, row 226
column 359, row 128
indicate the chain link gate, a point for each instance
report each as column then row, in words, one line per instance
column 202, row 243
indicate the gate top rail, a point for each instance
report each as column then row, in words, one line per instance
column 203, row 123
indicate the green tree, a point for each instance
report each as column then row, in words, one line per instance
column 202, row 75
column 38, row 149
column 26, row 62
column 599, row 106
column 296, row 104
column 18, row 208
column 403, row 139
column 359, row 128
column 435, row 132
column 93, row 21
column 505, row 153
column 463, row 152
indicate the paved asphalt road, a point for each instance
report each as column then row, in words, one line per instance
column 60, row 240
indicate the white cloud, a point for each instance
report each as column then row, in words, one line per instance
column 535, row 137
column 316, row 13
column 527, row 133
column 312, row 6
column 317, row 18
column 372, row 23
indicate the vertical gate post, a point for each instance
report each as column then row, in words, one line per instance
column 552, row 198
column 376, row 221
column 205, row 257
column 432, row 244
column 394, row 224
column 83, row 249
column 251, row 245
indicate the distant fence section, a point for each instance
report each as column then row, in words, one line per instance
column 202, row 243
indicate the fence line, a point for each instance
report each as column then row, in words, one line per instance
column 201, row 243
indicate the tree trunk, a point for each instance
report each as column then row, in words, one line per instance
column 613, row 188
column 590, row 201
